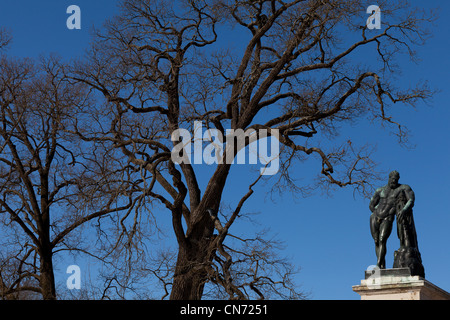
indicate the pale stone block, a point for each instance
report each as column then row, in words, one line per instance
column 396, row 284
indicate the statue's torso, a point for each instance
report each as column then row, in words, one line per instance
column 388, row 198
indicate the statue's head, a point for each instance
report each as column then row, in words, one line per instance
column 394, row 176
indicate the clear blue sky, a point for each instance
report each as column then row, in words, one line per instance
column 328, row 237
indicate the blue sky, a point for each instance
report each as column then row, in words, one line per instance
column 328, row 237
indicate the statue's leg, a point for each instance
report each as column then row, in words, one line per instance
column 375, row 231
column 385, row 232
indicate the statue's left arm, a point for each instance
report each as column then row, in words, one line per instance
column 410, row 198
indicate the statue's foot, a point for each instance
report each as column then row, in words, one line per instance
column 381, row 265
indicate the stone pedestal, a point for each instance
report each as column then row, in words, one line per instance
column 398, row 284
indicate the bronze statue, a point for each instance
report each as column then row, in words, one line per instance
column 382, row 206
column 390, row 201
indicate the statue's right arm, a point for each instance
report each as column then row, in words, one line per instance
column 375, row 199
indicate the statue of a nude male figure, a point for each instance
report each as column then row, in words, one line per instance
column 384, row 209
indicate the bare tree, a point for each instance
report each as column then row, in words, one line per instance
column 50, row 183
column 161, row 65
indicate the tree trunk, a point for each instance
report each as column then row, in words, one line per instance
column 194, row 256
column 47, row 278
column 194, row 253
column 190, row 272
